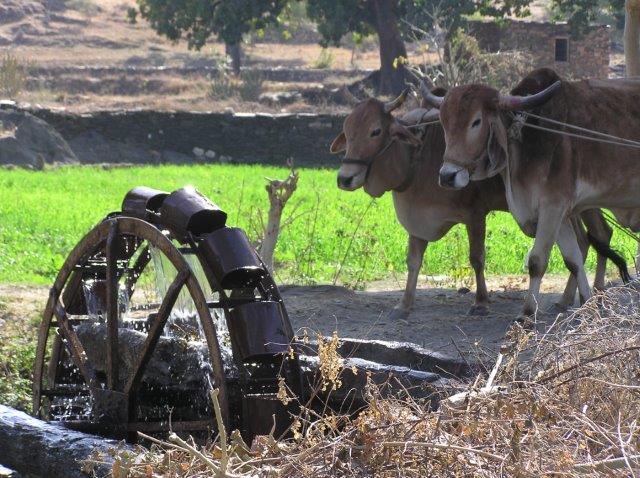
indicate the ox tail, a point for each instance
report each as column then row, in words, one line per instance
column 604, row 249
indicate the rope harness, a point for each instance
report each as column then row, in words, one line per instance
column 368, row 161
column 520, row 121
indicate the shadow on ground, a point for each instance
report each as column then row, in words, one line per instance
column 439, row 321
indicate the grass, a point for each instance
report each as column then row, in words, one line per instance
column 44, row 214
column 324, row 60
column 13, row 75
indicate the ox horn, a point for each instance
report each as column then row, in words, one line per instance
column 509, row 102
column 430, row 98
column 350, row 97
column 397, row 103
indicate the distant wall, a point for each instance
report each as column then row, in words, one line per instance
column 155, row 137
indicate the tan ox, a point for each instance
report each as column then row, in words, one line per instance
column 548, row 177
column 382, row 155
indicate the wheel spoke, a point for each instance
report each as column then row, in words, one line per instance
column 111, row 254
column 156, row 330
column 133, row 275
column 74, row 346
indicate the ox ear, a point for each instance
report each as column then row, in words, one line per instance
column 497, row 148
column 496, row 158
column 403, row 134
column 339, row 144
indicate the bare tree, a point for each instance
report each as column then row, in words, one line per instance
column 279, row 192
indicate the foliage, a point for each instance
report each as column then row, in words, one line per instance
column 337, row 18
column 13, row 75
column 581, row 13
column 17, row 354
column 324, row 60
column 197, row 20
column 223, row 87
column 328, row 230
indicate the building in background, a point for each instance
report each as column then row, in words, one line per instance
column 549, row 44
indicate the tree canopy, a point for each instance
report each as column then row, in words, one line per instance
column 197, row 20
column 582, row 13
column 392, row 20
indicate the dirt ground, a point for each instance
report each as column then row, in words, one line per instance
column 438, row 322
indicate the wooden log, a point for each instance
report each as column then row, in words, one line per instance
column 34, row 447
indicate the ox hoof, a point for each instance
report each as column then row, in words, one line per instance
column 479, row 310
column 398, row 315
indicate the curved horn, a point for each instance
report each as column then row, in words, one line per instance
column 429, row 97
column 509, row 102
column 350, row 97
column 432, row 115
column 397, row 103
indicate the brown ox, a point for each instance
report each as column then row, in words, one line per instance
column 548, row 177
column 382, row 155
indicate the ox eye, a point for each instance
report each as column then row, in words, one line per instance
column 476, row 123
column 376, row 132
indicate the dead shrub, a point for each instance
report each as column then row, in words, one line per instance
column 13, row 75
column 461, row 61
column 251, row 86
column 247, row 87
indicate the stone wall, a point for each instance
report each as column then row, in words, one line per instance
column 588, row 56
column 183, row 137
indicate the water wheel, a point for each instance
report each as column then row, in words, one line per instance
column 116, row 342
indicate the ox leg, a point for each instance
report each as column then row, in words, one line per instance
column 600, row 230
column 569, row 294
column 476, row 231
column 549, row 221
column 415, row 253
column 573, row 257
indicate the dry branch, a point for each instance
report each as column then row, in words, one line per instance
column 279, row 192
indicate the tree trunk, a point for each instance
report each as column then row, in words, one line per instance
column 632, row 37
column 235, row 52
column 392, row 80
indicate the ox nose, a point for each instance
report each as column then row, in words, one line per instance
column 345, row 181
column 447, row 179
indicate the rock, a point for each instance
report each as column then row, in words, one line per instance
column 198, row 152
column 8, row 473
column 30, row 142
column 280, row 98
column 210, row 154
column 174, row 362
column 37, row 448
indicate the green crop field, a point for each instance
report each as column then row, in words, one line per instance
column 332, row 235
